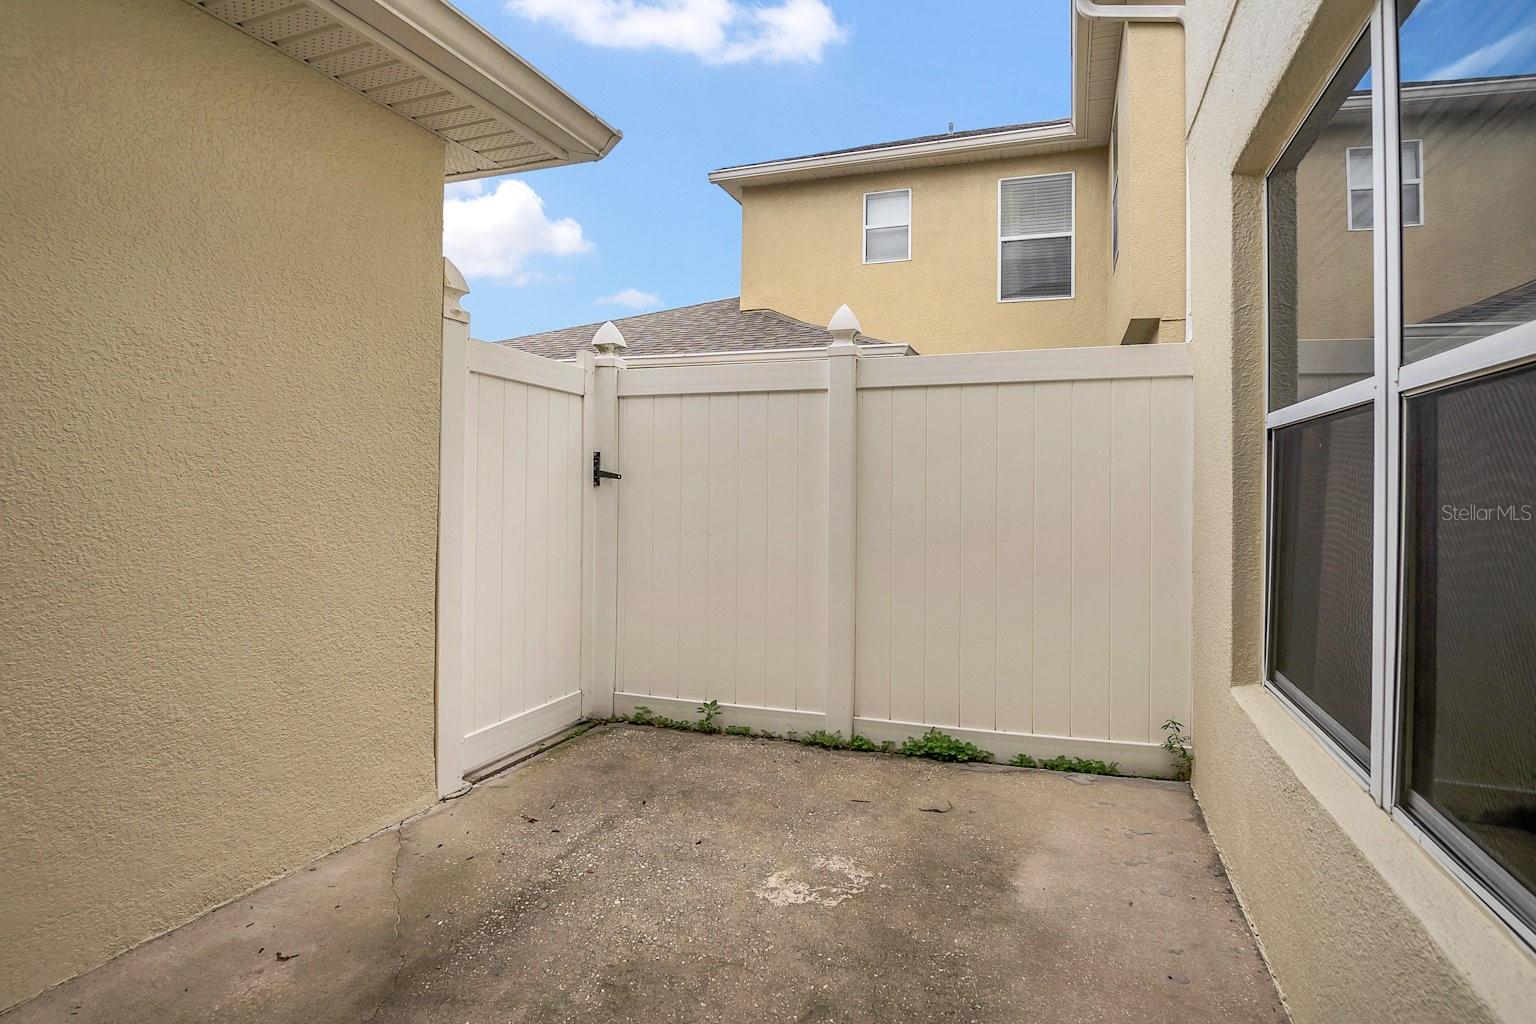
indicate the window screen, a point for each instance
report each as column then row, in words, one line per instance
column 1035, row 225
column 888, row 226
column 1320, row 615
column 1470, row 641
column 1322, row 319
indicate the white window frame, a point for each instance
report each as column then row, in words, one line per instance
column 1350, row 188
column 1391, row 385
column 1070, row 234
column 864, row 235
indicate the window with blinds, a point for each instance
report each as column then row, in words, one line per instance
column 1035, row 244
column 888, row 226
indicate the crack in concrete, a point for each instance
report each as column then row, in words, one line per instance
column 394, row 873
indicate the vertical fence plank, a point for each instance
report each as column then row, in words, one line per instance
column 636, row 593
column 811, row 666
column 666, row 544
column 909, row 545
column 487, row 565
column 571, row 558
column 1090, row 559
column 1130, row 543
column 693, row 607
column 536, row 552
column 941, row 661
column 781, row 605
column 720, row 682
column 752, row 550
column 978, row 557
column 512, row 449
column 1053, row 559
column 554, row 515
column 693, row 568
column 872, row 688
column 1170, row 523
column 554, row 505
column 1015, row 556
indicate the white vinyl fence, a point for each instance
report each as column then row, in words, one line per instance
column 996, row 544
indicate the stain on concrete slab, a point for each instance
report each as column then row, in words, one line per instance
column 1033, row 898
column 826, row 880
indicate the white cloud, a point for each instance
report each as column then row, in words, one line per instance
column 493, row 233
column 715, row 31
column 1483, row 60
column 631, row 298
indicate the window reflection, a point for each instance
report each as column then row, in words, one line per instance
column 1468, row 72
column 1321, row 304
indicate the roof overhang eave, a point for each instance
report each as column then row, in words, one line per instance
column 471, row 78
column 992, row 145
column 478, row 65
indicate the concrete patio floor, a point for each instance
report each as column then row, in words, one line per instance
column 640, row 875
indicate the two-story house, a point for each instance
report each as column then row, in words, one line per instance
column 1061, row 233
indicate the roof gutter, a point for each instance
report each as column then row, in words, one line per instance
column 1130, row 12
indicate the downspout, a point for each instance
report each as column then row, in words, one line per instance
column 1153, row 13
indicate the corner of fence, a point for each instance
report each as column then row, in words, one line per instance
column 600, row 522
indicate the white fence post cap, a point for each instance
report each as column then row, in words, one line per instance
column 609, row 339
column 454, row 289
column 843, row 326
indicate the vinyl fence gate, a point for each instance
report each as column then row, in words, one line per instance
column 996, row 544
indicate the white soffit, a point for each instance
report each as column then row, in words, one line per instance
column 427, row 62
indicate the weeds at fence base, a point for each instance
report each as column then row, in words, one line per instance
column 1064, row 763
column 933, row 745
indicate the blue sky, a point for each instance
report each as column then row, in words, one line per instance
column 711, row 85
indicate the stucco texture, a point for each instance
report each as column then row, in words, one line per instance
column 1147, row 281
column 1357, row 921
column 220, row 300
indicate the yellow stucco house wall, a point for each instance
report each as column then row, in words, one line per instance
column 1358, row 922
column 802, row 222
column 221, row 306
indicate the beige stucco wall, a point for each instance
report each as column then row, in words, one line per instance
column 1148, row 279
column 220, row 301
column 1357, row 921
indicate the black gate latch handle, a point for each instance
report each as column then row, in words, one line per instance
column 599, row 474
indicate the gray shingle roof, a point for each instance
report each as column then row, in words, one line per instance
column 719, row 326
column 1518, row 303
